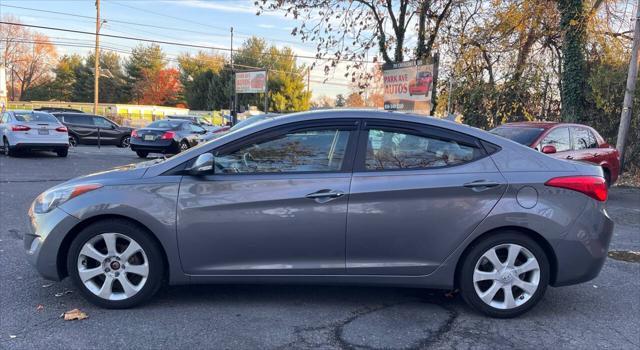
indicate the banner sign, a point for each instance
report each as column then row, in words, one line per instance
column 251, row 82
column 408, row 86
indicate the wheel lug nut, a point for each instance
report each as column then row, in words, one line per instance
column 107, row 270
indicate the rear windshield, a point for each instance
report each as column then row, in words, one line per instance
column 165, row 124
column 35, row 117
column 523, row 136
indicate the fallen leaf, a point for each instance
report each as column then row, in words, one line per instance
column 12, row 336
column 451, row 294
column 40, row 307
column 74, row 314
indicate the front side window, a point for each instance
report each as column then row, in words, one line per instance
column 388, row 150
column 559, row 138
column 101, row 122
column 320, row 150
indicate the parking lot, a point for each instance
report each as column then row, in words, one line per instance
column 603, row 313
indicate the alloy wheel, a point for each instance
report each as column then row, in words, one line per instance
column 506, row 276
column 183, row 146
column 5, row 147
column 125, row 142
column 113, row 266
column 72, row 141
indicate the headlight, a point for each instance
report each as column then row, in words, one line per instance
column 55, row 197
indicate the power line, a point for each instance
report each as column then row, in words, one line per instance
column 175, row 43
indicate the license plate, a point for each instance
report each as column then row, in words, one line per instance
column 43, row 132
column 149, row 137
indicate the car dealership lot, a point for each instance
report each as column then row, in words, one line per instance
column 602, row 313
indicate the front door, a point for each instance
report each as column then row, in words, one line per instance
column 416, row 193
column 275, row 203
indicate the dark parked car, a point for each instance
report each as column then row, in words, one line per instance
column 198, row 120
column 166, row 136
column 57, row 109
column 85, row 129
column 565, row 141
column 352, row 197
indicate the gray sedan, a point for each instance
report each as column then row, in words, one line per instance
column 353, row 197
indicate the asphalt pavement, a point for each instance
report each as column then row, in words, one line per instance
column 603, row 313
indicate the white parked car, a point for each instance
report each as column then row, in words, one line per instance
column 32, row 130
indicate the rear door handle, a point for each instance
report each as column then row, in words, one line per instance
column 481, row 184
column 325, row 195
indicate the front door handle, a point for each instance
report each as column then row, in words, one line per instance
column 481, row 184
column 325, row 195
column 569, row 157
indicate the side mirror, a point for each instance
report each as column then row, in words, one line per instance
column 203, row 164
column 549, row 149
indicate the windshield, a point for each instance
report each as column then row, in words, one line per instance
column 523, row 136
column 35, row 117
column 165, row 124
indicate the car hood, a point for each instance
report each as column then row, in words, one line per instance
column 116, row 175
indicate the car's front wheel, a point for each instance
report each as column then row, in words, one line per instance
column 504, row 275
column 124, row 142
column 115, row 264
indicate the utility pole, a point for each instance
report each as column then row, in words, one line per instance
column 96, row 73
column 625, row 116
column 234, row 101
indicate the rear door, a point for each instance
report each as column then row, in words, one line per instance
column 108, row 132
column 276, row 203
column 82, row 126
column 416, row 193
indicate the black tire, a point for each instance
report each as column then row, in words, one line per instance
column 607, row 176
column 6, row 149
column 63, row 152
column 466, row 272
column 142, row 154
column 184, row 145
column 149, row 245
column 73, row 141
column 124, row 142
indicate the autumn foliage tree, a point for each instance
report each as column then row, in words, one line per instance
column 161, row 87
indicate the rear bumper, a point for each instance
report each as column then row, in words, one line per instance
column 43, row 146
column 582, row 250
column 169, row 146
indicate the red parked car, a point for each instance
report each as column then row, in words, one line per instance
column 565, row 141
column 421, row 84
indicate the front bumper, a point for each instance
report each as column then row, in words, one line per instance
column 45, row 239
column 582, row 251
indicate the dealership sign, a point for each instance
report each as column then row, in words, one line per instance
column 408, row 86
column 251, row 82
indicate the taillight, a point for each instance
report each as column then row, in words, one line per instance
column 593, row 186
column 20, row 128
column 168, row 135
column 61, row 129
column 134, row 133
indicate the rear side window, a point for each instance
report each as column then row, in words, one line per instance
column 559, row 138
column 78, row 120
column 583, row 139
column 389, row 150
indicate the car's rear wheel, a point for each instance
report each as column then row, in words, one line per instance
column 504, row 275
column 184, row 146
column 124, row 142
column 73, row 141
column 6, row 148
column 63, row 152
column 142, row 154
column 115, row 264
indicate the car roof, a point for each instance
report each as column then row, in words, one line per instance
column 539, row 124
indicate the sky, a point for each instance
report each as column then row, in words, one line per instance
column 199, row 22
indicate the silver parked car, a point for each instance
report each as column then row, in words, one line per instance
column 354, row 197
column 32, row 130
